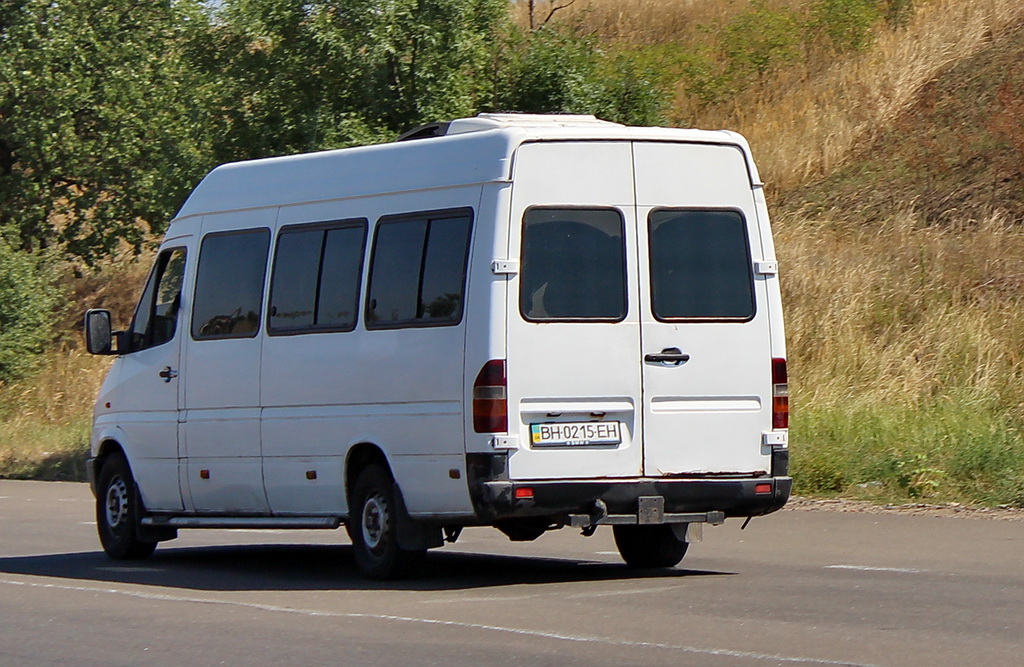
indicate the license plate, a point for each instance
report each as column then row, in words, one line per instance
column 574, row 434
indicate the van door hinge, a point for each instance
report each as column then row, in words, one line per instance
column 505, row 267
column 775, row 438
column 766, row 267
column 505, row 442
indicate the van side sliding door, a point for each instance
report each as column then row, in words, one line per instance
column 222, row 380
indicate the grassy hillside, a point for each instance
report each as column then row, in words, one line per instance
column 896, row 177
column 904, row 296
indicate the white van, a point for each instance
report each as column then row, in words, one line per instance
column 521, row 321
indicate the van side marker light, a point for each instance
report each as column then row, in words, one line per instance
column 761, row 489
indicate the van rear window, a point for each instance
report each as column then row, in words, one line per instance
column 573, row 265
column 700, row 265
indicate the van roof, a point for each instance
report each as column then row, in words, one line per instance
column 465, row 151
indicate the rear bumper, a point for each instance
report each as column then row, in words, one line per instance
column 631, row 501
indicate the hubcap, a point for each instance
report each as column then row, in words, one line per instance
column 117, row 503
column 375, row 521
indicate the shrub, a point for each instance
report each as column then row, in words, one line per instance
column 29, row 296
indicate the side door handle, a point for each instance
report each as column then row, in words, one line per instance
column 168, row 373
column 671, row 356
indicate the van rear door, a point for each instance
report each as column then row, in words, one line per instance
column 704, row 313
column 573, row 326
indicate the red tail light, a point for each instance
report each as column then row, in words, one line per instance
column 490, row 400
column 780, row 394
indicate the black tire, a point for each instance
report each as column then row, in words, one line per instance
column 373, row 527
column 118, row 509
column 649, row 546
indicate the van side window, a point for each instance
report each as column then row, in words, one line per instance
column 156, row 316
column 418, row 271
column 573, row 265
column 700, row 265
column 229, row 284
column 316, row 276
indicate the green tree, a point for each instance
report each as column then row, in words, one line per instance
column 98, row 136
column 555, row 69
column 298, row 75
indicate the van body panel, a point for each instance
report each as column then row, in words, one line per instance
column 486, row 297
column 354, row 172
column 707, row 414
column 222, row 397
column 149, row 423
column 148, row 406
column 325, row 392
column 563, row 371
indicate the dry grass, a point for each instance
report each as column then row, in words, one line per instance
column 45, row 419
column 905, row 357
column 807, row 119
column 44, row 430
column 900, row 313
column 804, row 127
column 639, row 22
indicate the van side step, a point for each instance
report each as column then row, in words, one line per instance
column 269, row 522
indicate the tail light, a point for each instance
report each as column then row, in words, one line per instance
column 780, row 394
column 490, row 398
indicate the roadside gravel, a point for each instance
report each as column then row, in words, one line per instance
column 1002, row 513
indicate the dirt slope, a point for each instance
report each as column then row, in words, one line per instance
column 954, row 156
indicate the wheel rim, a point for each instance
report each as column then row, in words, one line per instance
column 117, row 503
column 375, row 521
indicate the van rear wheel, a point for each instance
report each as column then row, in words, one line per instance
column 373, row 527
column 118, row 507
column 649, row 546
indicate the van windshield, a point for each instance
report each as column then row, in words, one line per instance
column 573, row 265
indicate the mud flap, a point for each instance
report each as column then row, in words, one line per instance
column 414, row 535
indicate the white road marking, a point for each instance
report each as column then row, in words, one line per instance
column 484, row 598
column 630, row 591
column 865, row 568
column 586, row 639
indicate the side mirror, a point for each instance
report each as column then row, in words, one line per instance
column 99, row 337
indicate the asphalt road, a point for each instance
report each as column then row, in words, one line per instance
column 797, row 587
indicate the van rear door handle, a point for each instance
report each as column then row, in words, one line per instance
column 168, row 373
column 670, row 355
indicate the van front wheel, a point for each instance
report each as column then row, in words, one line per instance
column 117, row 511
column 373, row 527
column 649, row 546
